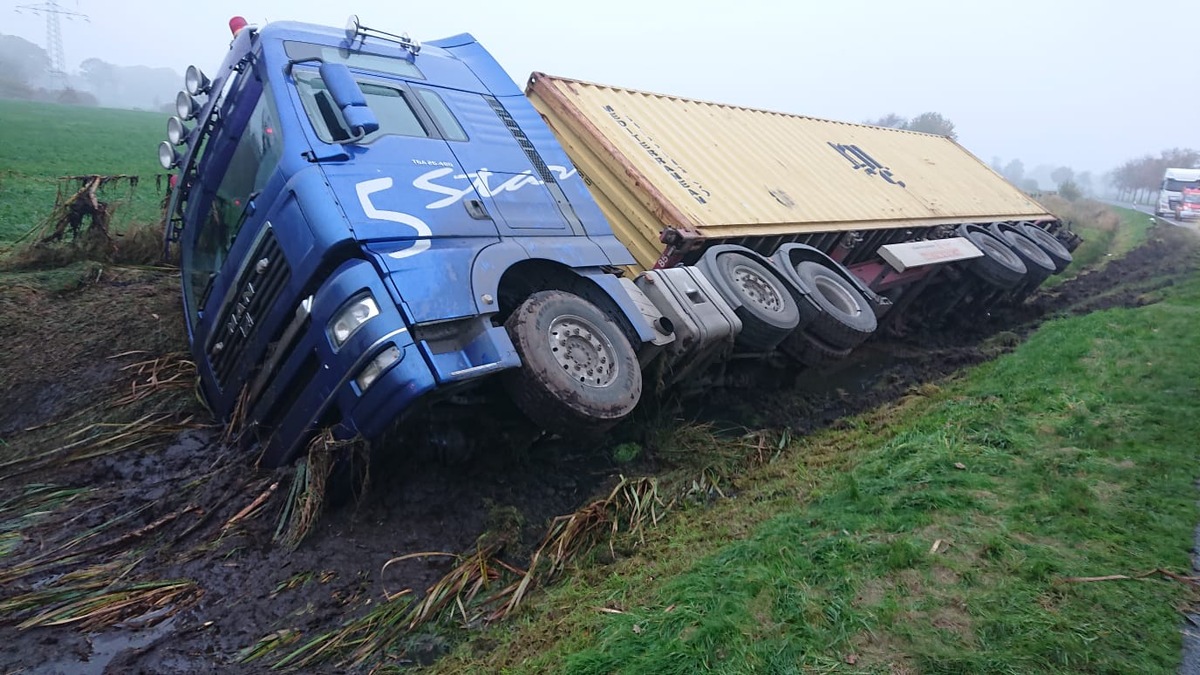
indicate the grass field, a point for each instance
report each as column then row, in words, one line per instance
column 40, row 142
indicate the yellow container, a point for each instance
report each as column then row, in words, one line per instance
column 714, row 171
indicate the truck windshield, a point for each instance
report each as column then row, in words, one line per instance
column 252, row 159
column 1175, row 185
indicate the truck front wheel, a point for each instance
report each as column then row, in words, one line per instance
column 579, row 374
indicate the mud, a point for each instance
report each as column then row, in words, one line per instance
column 176, row 509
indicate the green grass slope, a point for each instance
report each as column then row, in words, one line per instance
column 954, row 532
column 39, row 142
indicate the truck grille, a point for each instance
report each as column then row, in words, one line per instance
column 262, row 279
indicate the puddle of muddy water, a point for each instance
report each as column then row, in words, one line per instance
column 105, row 648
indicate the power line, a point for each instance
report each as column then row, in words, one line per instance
column 54, row 42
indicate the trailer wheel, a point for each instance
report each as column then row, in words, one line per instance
column 768, row 311
column 579, row 374
column 1038, row 263
column 999, row 266
column 844, row 319
column 810, row 351
column 1048, row 243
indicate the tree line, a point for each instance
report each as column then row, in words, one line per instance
column 25, row 74
column 1062, row 179
column 1138, row 180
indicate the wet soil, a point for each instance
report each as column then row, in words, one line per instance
column 177, row 505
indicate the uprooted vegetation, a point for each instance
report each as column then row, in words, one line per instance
column 81, row 226
column 123, row 515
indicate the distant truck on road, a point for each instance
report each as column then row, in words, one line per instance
column 1174, row 182
column 392, row 240
column 1188, row 207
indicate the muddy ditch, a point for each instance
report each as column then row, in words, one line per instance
column 131, row 541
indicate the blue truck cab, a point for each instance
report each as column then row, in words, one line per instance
column 358, row 216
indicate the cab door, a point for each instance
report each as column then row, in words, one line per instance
column 518, row 189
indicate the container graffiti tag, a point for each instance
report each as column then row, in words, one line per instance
column 859, row 159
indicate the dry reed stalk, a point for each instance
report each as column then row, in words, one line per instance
column 100, row 439
column 97, row 611
column 306, row 498
column 629, row 507
column 172, row 370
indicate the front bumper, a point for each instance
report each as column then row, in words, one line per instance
column 314, row 383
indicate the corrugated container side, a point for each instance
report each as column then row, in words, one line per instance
column 721, row 172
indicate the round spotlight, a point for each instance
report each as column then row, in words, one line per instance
column 167, row 156
column 186, row 106
column 177, row 133
column 195, row 81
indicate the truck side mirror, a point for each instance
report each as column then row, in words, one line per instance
column 349, row 99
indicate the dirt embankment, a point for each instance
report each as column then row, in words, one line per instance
column 131, row 541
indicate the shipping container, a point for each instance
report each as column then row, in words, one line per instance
column 722, row 173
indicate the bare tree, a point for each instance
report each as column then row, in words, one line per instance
column 889, row 120
column 1062, row 175
column 1014, row 171
column 1180, row 158
column 23, row 67
column 933, row 123
column 929, row 123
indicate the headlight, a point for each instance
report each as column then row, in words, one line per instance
column 195, row 81
column 177, row 132
column 376, row 367
column 167, row 156
column 186, row 106
column 351, row 317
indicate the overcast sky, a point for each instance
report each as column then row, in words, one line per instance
column 1086, row 84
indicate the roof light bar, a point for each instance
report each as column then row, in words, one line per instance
column 355, row 30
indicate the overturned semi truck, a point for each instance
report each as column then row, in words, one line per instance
column 379, row 236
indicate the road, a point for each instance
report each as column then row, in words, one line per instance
column 1193, row 225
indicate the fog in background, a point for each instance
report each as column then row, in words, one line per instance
column 1082, row 84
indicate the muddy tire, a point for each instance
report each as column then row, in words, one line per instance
column 579, row 374
column 999, row 266
column 1038, row 263
column 844, row 318
column 811, row 351
column 1051, row 245
column 768, row 311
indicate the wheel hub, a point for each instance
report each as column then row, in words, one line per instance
column 837, row 296
column 583, row 351
column 757, row 289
